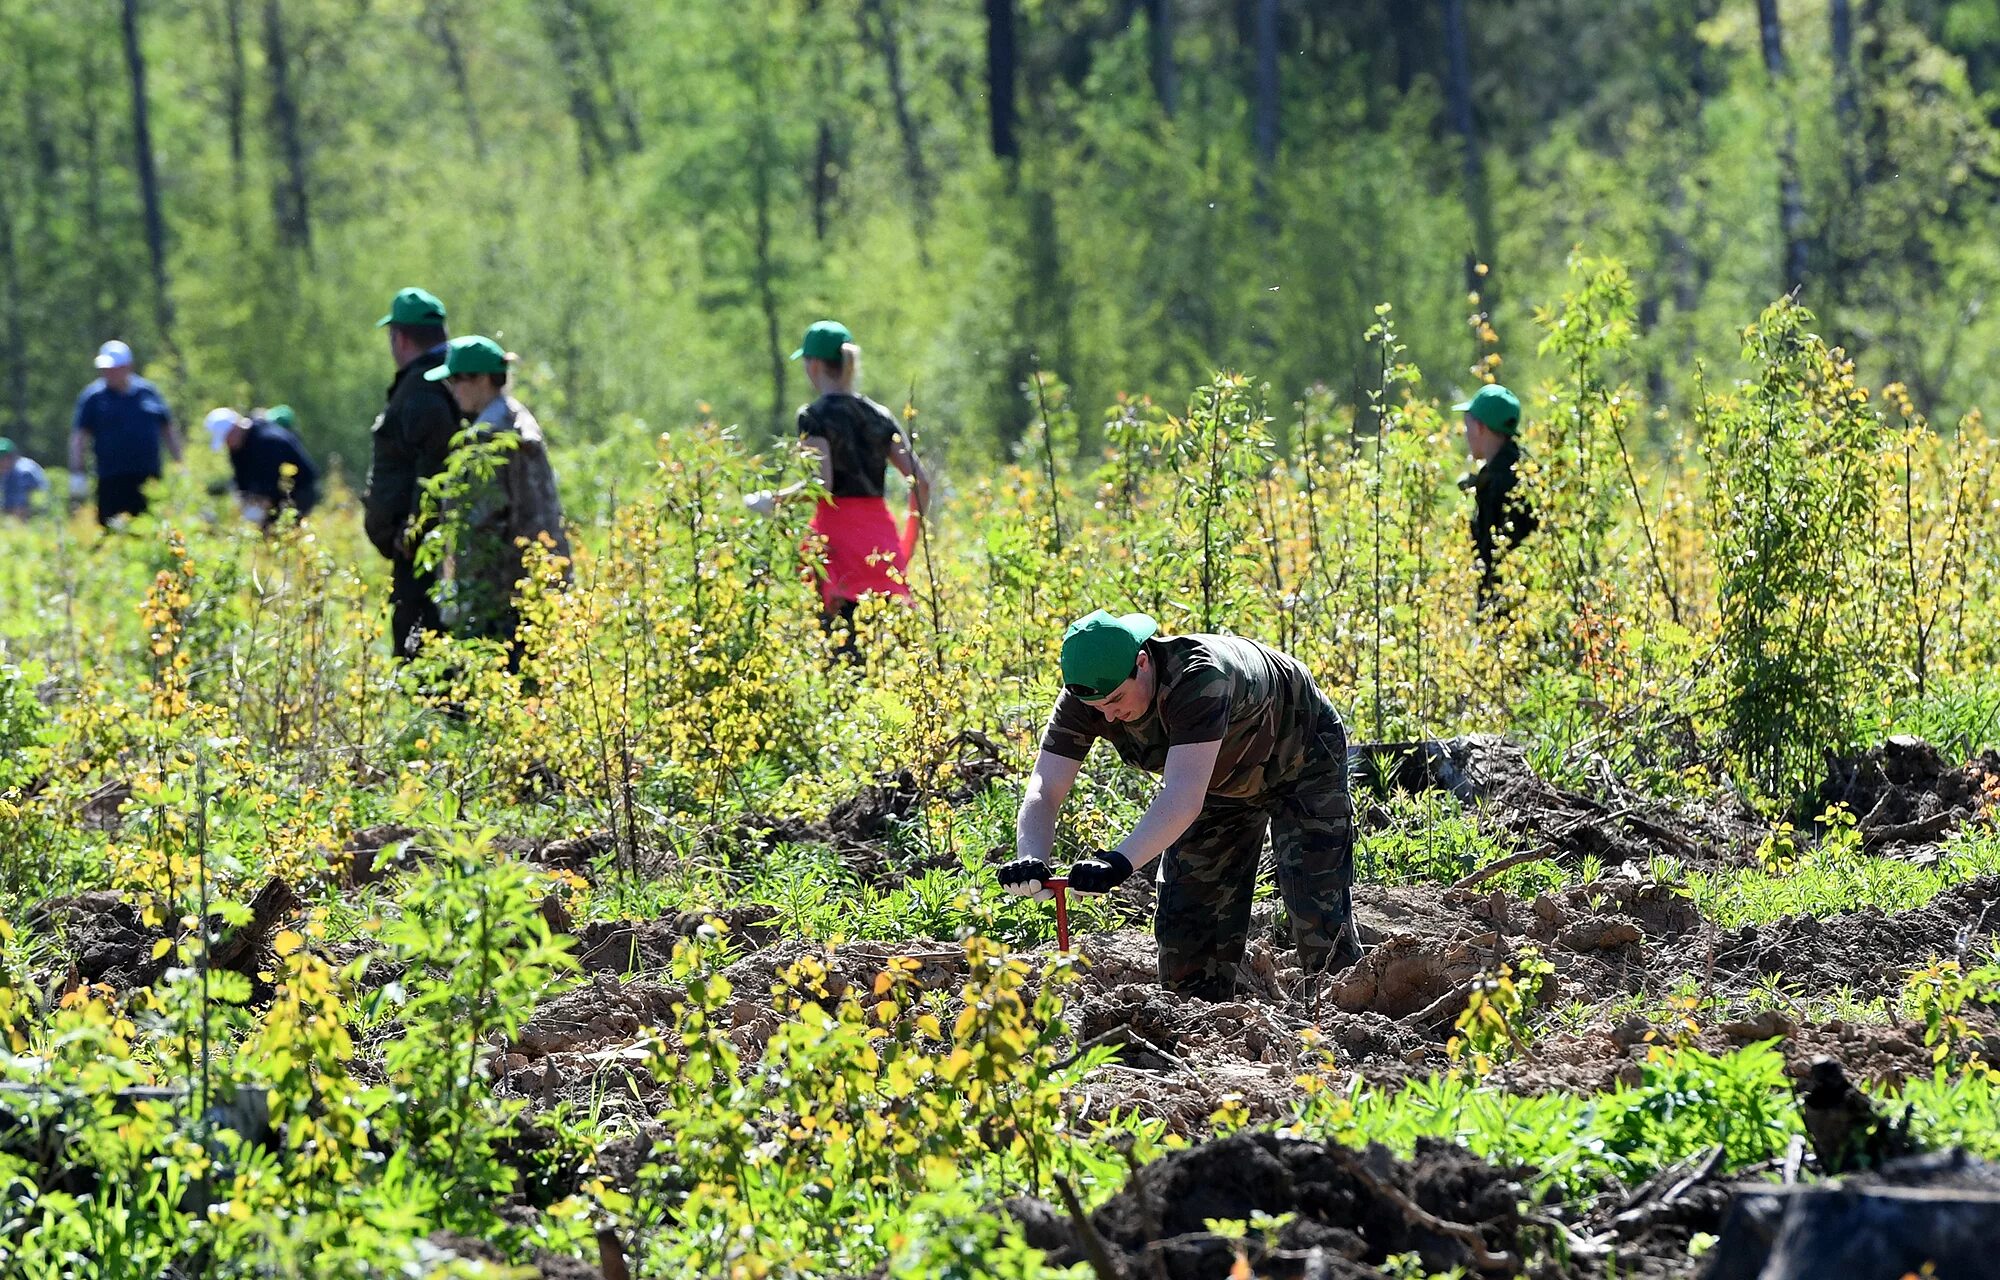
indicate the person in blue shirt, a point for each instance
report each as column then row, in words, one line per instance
column 127, row 421
column 21, row 479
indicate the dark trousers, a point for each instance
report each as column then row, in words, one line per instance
column 1207, row 877
column 121, row 496
column 412, row 608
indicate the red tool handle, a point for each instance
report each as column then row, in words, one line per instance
column 1061, row 885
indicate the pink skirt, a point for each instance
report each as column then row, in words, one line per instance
column 856, row 547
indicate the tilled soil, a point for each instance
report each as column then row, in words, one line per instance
column 1343, row 1211
column 1905, row 795
column 1618, row 947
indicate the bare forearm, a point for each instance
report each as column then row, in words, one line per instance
column 171, row 434
column 1170, row 814
column 1035, row 828
column 76, row 452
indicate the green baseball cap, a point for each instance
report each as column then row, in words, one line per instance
column 6, row 446
column 1494, row 405
column 414, row 306
column 824, row 340
column 1100, row 652
column 475, row 354
column 283, row 415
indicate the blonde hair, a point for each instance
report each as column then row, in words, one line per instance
column 843, row 375
column 849, row 375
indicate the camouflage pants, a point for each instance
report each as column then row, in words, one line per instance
column 1208, row 876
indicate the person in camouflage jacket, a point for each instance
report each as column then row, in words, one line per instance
column 1246, row 744
column 501, row 496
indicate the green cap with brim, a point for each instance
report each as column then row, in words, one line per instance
column 471, row 355
column 282, row 415
column 414, row 306
column 6, row 446
column 824, row 340
column 1495, row 406
column 1101, row 652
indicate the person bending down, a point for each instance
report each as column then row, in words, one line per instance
column 1246, row 744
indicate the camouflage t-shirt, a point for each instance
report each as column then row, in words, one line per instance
column 1260, row 704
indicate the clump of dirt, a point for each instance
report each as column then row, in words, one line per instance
column 646, row 946
column 601, row 1012
column 1869, row 950
column 1933, row 1214
column 1616, row 825
column 106, row 940
column 373, row 853
column 1347, row 1210
column 1905, row 795
column 1408, row 974
column 444, row 1246
column 850, row 966
column 104, row 809
column 857, row 826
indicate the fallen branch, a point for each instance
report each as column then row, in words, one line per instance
column 1540, row 853
column 611, row 1255
column 241, row 950
column 1095, row 1251
column 1475, row 1244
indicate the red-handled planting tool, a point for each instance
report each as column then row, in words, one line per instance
column 1061, row 886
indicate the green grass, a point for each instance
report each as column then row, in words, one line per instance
column 1838, row 879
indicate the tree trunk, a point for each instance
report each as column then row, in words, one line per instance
column 879, row 27
column 149, row 178
column 1869, row 54
column 441, row 22
column 1264, row 118
column 1458, row 87
column 597, row 32
column 825, row 178
column 763, row 243
column 1840, row 22
column 236, row 92
column 1791, row 204
column 1845, row 218
column 1001, row 71
column 104, row 311
column 1160, row 39
column 290, row 201
column 13, row 332
column 559, row 21
column 827, row 151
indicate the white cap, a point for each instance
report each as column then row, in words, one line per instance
column 114, row 355
column 220, row 422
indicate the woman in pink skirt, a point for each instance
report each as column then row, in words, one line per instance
column 857, row 546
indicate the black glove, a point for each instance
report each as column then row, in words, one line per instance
column 1027, row 878
column 1101, row 872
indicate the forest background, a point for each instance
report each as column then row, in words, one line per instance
column 650, row 201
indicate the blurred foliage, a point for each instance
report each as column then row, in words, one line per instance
column 651, row 203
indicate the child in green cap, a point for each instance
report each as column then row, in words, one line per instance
column 1501, row 516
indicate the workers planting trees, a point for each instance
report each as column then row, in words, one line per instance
column 1246, row 744
column 859, row 549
